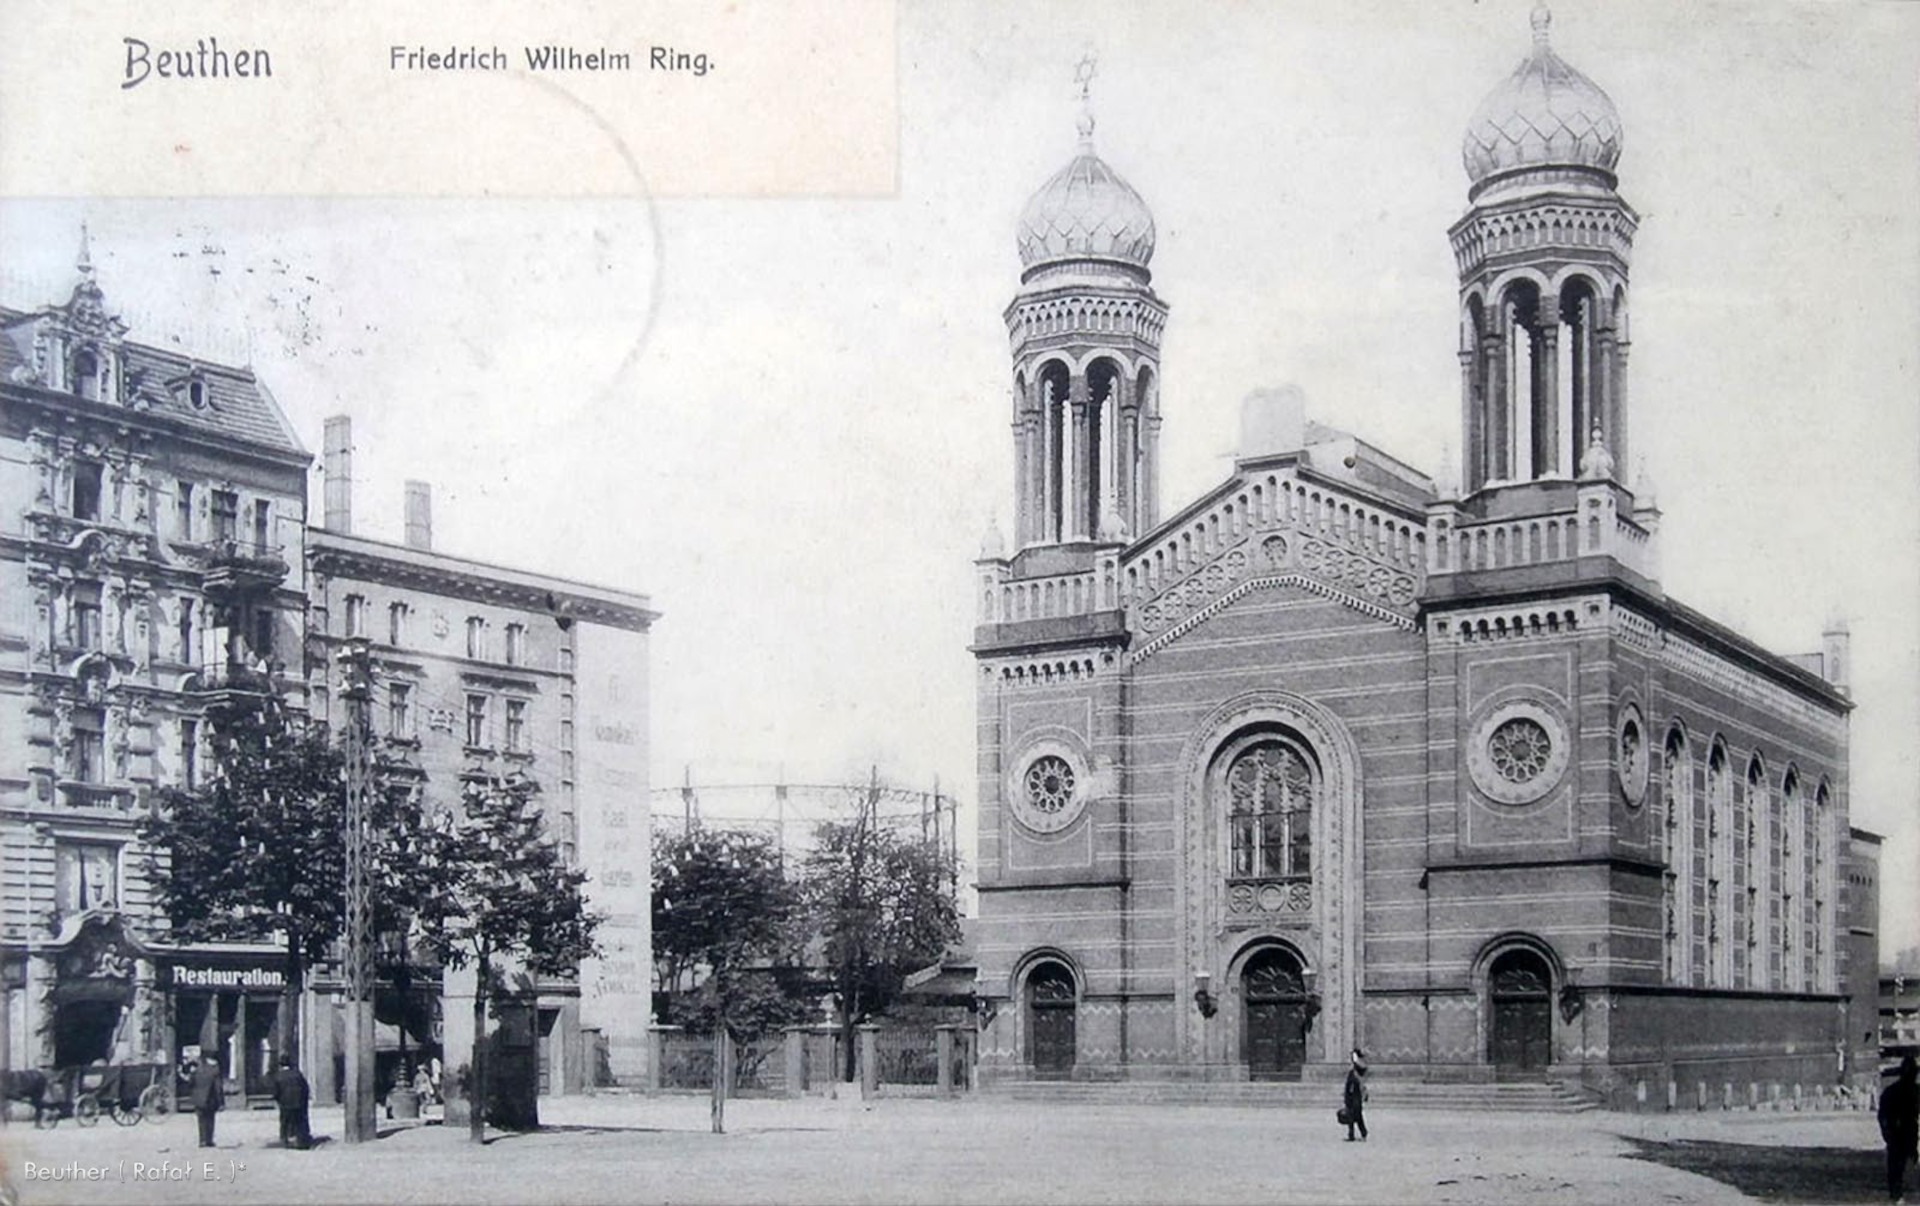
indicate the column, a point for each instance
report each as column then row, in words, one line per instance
column 1050, row 433
column 796, row 1061
column 869, row 1060
column 1074, row 522
column 1150, row 476
column 1546, row 391
column 1472, row 427
column 1617, row 409
column 943, row 1056
column 1494, row 401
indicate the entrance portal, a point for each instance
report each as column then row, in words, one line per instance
column 1521, row 1036
column 1050, row 1019
column 1275, row 995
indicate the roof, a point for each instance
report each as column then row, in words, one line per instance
column 235, row 404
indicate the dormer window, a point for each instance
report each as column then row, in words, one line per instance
column 197, row 393
column 86, row 375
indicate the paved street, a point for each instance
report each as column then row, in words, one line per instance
column 619, row 1149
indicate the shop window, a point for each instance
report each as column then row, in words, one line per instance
column 89, row 744
column 86, row 489
column 477, row 721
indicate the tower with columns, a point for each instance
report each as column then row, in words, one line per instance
column 1085, row 328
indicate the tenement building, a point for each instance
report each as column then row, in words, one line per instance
column 155, row 564
column 152, row 511
column 480, row 671
column 1340, row 755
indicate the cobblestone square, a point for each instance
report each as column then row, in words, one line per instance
column 981, row 1150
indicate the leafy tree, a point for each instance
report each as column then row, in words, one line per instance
column 722, row 914
column 501, row 891
column 880, row 905
column 258, row 854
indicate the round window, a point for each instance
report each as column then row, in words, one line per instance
column 1048, row 793
column 1518, row 752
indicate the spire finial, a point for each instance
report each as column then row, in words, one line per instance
column 1542, row 21
column 85, row 262
column 1083, row 73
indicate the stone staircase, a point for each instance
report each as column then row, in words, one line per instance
column 1533, row 1097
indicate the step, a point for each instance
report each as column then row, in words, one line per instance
column 1531, row 1097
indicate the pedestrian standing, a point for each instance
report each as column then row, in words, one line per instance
column 209, row 1096
column 291, row 1094
column 1356, row 1095
column 1900, row 1127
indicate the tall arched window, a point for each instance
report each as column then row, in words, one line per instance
column 1760, row 941
column 1821, row 849
column 1055, row 433
column 1719, row 855
column 1271, row 786
column 1793, row 878
column 1677, row 889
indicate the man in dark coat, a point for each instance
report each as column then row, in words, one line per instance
column 291, row 1094
column 1356, row 1096
column 1900, row 1127
column 208, row 1095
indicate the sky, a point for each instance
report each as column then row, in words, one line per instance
column 784, row 419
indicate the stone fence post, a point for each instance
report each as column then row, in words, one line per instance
column 869, row 1059
column 796, row 1061
column 943, row 1054
column 657, row 1054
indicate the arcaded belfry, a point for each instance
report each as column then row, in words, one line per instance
column 1337, row 755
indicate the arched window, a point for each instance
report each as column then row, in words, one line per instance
column 1820, row 850
column 1055, row 433
column 1719, row 886
column 1792, row 881
column 86, row 374
column 1271, row 786
column 1677, row 891
column 1760, row 855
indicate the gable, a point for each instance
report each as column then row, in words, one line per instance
column 1270, row 531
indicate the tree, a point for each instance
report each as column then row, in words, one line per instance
column 879, row 904
column 258, row 854
column 722, row 914
column 500, row 890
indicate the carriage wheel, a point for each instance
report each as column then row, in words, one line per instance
column 126, row 1115
column 86, row 1111
column 46, row 1117
column 154, row 1103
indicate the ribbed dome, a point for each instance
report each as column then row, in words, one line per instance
column 1546, row 114
column 1086, row 210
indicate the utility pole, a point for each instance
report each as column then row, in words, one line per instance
column 356, row 662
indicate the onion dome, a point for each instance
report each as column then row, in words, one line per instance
column 1086, row 211
column 1546, row 114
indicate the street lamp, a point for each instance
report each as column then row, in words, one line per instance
column 1202, row 994
column 356, row 664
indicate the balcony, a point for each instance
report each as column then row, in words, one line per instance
column 233, row 682
column 236, row 568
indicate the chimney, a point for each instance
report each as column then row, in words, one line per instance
column 338, row 462
column 419, row 515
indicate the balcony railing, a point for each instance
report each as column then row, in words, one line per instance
column 239, row 566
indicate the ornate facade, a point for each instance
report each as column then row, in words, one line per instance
column 1340, row 755
column 152, row 514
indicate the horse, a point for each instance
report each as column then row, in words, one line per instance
column 29, row 1085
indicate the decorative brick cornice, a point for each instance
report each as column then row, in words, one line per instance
column 1269, row 582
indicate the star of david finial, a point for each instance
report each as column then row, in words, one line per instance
column 1542, row 22
column 1083, row 73
column 85, row 262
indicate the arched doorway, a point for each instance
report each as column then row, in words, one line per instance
column 1050, row 1019
column 1273, row 988
column 1520, row 1039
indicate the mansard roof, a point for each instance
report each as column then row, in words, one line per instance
column 237, row 404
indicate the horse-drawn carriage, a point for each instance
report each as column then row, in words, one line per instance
column 125, row 1092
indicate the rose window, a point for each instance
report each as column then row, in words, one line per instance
column 1049, row 785
column 1520, row 750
